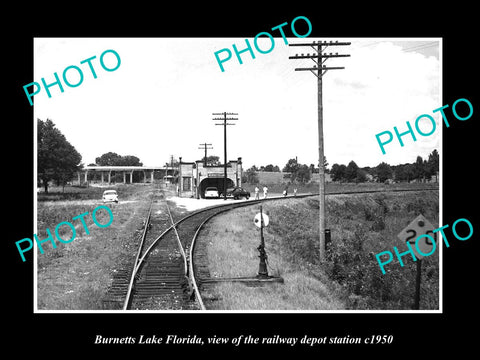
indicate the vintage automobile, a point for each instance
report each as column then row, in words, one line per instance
column 211, row 192
column 238, row 193
column 110, row 195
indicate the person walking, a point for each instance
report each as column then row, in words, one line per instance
column 257, row 193
column 265, row 191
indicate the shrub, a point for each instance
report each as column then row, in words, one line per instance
column 362, row 226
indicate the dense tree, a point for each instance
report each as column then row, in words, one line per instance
column 58, row 160
column 298, row 172
column 338, row 172
column 303, row 174
column 212, row 160
column 433, row 164
column 361, row 175
column 419, row 168
column 113, row 159
column 403, row 172
column 108, row 159
column 353, row 173
column 130, row 160
column 292, row 166
column 250, row 176
column 383, row 172
column 270, row 167
column 350, row 173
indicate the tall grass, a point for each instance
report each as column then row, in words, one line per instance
column 361, row 226
column 232, row 252
column 75, row 276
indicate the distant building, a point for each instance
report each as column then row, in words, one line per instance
column 195, row 177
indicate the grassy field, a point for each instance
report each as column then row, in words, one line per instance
column 336, row 187
column 361, row 226
column 232, row 252
column 75, row 276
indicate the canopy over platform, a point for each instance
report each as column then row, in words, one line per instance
column 166, row 171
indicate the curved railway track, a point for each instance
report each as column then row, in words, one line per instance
column 163, row 275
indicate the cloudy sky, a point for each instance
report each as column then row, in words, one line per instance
column 160, row 101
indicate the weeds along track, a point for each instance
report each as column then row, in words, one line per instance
column 129, row 281
column 198, row 266
column 170, row 265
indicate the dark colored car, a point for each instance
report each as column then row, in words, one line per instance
column 238, row 193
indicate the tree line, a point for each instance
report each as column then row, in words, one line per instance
column 114, row 159
column 420, row 170
column 296, row 172
column 58, row 161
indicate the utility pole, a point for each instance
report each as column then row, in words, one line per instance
column 205, row 146
column 319, row 57
column 171, row 165
column 225, row 124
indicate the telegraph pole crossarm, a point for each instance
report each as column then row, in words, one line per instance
column 205, row 146
column 319, row 70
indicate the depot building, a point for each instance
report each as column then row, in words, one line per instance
column 192, row 177
column 195, row 177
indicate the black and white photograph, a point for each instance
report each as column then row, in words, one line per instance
column 262, row 185
column 129, row 136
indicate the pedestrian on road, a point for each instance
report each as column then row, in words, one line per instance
column 257, row 191
column 265, row 191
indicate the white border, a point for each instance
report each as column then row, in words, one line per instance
column 203, row 312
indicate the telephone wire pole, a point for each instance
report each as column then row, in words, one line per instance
column 224, row 124
column 205, row 146
column 319, row 58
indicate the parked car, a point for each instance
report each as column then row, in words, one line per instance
column 211, row 192
column 238, row 193
column 110, row 195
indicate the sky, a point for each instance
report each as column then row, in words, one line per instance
column 160, row 100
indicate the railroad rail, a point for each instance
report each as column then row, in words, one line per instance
column 165, row 274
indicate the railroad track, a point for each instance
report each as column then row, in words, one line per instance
column 165, row 276
column 159, row 277
column 169, row 268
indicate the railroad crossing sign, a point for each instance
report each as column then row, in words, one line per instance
column 258, row 222
column 419, row 226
